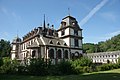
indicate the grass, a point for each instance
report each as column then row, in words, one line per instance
column 102, row 75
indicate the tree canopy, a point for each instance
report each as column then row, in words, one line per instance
column 5, row 48
column 112, row 44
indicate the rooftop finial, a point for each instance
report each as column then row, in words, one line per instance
column 69, row 11
column 17, row 34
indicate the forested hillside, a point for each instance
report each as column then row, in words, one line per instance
column 112, row 44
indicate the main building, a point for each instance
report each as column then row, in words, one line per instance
column 48, row 43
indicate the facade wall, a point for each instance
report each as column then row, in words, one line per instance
column 104, row 57
column 67, row 31
column 14, row 47
column 59, row 33
column 74, row 51
column 67, row 41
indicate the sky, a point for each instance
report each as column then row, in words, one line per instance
column 99, row 19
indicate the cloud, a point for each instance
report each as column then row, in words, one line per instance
column 96, row 39
column 113, row 34
column 4, row 10
column 109, row 16
column 15, row 15
column 93, row 11
column 3, row 35
column 9, row 13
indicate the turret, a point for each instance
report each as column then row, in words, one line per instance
column 15, row 48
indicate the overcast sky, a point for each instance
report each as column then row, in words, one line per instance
column 99, row 19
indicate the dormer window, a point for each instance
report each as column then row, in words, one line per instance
column 58, row 43
column 51, row 42
column 65, row 44
column 63, row 24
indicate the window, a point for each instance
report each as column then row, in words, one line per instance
column 75, row 32
column 51, row 54
column 33, row 53
column 76, row 42
column 76, row 55
column 65, row 44
column 58, row 43
column 66, row 54
column 59, row 54
column 63, row 24
column 51, row 42
column 62, row 32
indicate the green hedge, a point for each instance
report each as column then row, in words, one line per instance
column 39, row 67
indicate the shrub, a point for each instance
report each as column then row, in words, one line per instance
column 65, row 67
column 22, row 69
column 37, row 67
column 9, row 66
column 87, row 69
column 78, row 69
column 84, row 61
column 107, row 67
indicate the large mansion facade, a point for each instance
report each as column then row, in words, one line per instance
column 48, row 43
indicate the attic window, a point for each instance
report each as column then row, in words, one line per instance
column 58, row 43
column 63, row 24
column 65, row 44
column 51, row 42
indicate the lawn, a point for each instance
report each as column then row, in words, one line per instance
column 103, row 75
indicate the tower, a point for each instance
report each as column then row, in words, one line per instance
column 15, row 48
column 71, row 33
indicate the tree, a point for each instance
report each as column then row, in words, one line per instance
column 89, row 47
column 112, row 44
column 5, row 48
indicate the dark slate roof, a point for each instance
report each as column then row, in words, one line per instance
column 69, row 17
column 16, row 40
column 47, row 40
column 54, row 41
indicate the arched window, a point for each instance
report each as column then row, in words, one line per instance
column 51, row 54
column 66, row 54
column 76, row 55
column 33, row 53
column 59, row 54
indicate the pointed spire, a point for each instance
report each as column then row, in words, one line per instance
column 44, row 22
column 17, row 34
